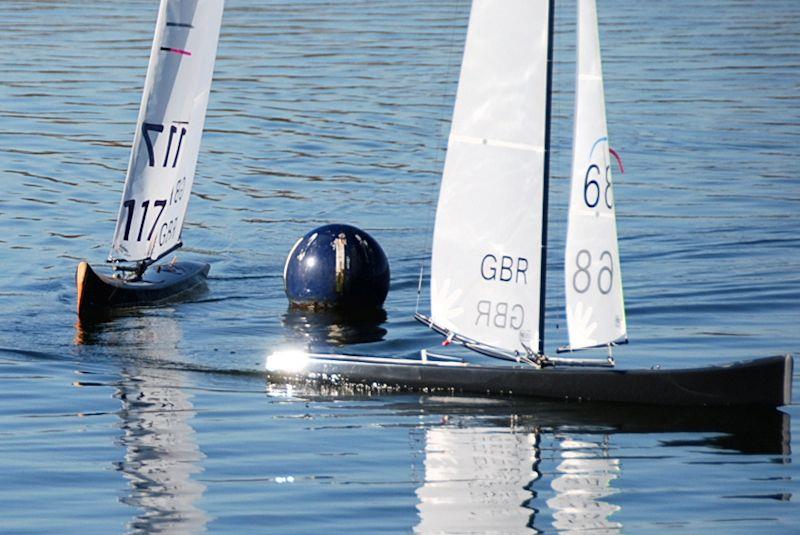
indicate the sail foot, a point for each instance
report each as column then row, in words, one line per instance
column 535, row 360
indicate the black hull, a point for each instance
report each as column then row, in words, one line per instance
column 764, row 382
column 98, row 293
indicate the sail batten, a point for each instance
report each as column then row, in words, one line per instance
column 457, row 138
column 486, row 258
column 592, row 276
column 168, row 131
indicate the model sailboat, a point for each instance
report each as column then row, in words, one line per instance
column 162, row 165
column 490, row 240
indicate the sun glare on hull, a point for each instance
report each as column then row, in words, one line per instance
column 287, row 361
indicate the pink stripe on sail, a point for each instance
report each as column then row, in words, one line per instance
column 176, row 50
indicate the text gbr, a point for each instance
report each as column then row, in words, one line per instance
column 501, row 314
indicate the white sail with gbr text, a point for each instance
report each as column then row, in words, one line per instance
column 595, row 306
column 168, row 130
column 486, row 258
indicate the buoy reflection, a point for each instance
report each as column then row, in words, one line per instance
column 326, row 328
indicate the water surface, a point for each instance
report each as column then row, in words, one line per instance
column 339, row 111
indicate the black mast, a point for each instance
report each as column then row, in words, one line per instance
column 546, row 181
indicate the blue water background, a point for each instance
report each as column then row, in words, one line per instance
column 338, row 112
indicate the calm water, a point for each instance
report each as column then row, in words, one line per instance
column 338, row 111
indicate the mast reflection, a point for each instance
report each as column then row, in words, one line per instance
column 162, row 454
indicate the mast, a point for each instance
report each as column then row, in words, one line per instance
column 546, row 179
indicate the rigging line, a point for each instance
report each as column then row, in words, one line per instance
column 419, row 285
column 546, row 181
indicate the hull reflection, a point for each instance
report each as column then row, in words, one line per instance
column 161, row 451
column 494, row 465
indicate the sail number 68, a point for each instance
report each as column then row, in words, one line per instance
column 592, row 189
column 582, row 278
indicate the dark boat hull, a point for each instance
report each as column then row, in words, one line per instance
column 98, row 293
column 762, row 382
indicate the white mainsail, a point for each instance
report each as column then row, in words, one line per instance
column 486, row 258
column 168, row 130
column 595, row 305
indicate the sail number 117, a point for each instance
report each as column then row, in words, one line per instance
column 167, row 228
column 148, row 128
column 130, row 205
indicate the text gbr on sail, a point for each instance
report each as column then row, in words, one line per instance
column 501, row 314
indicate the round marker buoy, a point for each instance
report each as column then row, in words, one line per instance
column 336, row 266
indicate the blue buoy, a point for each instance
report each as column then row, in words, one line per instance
column 336, row 266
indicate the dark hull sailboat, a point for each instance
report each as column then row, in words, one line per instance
column 98, row 293
column 763, row 382
column 488, row 291
column 162, row 166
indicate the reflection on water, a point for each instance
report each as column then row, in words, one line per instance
column 483, row 480
column 474, row 476
column 586, row 473
column 321, row 328
column 162, row 454
column 495, row 479
column 340, row 111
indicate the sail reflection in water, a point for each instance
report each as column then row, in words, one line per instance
column 539, row 466
column 586, row 473
column 481, row 480
column 161, row 451
column 474, row 477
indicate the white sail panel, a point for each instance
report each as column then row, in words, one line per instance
column 595, row 305
column 168, row 130
column 486, row 257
